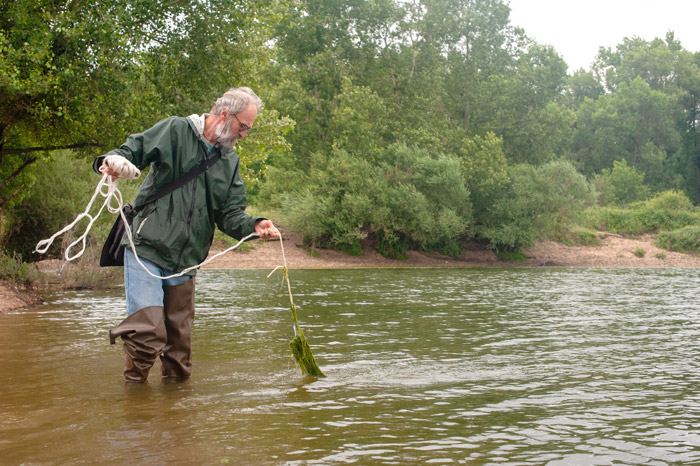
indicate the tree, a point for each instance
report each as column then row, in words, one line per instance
column 582, row 85
column 620, row 185
column 522, row 107
column 484, row 169
column 636, row 124
column 83, row 75
column 669, row 69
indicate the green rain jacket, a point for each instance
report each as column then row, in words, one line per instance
column 176, row 231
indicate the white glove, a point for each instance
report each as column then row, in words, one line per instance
column 120, row 166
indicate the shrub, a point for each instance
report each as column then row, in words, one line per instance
column 577, row 238
column 485, row 169
column 686, row 239
column 512, row 256
column 614, row 220
column 391, row 245
column 666, row 211
column 405, row 198
column 670, row 200
column 14, row 269
column 538, row 203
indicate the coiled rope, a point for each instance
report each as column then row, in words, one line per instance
column 108, row 188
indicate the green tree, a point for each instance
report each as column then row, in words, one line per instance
column 62, row 191
column 583, row 85
column 620, row 185
column 484, row 169
column 668, row 69
column 84, row 75
column 636, row 124
column 522, row 107
column 359, row 120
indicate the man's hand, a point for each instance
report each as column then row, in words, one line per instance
column 106, row 169
column 266, row 230
column 117, row 166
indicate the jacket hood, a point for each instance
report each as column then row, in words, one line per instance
column 198, row 122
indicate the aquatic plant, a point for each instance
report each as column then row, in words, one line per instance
column 298, row 345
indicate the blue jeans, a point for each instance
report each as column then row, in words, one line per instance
column 142, row 290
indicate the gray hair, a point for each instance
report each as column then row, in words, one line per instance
column 236, row 100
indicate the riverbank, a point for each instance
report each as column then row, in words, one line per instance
column 613, row 251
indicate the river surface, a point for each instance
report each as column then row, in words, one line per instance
column 425, row 366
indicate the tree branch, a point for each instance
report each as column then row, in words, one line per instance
column 37, row 149
column 17, row 172
column 12, row 196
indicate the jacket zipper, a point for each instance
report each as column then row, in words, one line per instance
column 189, row 224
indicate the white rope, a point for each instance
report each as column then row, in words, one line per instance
column 286, row 277
column 111, row 193
column 108, row 188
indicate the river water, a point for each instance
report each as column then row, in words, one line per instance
column 425, row 366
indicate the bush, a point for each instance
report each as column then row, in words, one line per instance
column 394, row 246
column 686, row 239
column 666, row 211
column 577, row 238
column 671, row 201
column 485, row 169
column 86, row 274
column 539, row 202
column 14, row 269
column 614, row 220
column 512, row 256
column 405, row 198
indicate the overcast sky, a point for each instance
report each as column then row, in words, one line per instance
column 577, row 28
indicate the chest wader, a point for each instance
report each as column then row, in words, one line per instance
column 159, row 331
column 179, row 317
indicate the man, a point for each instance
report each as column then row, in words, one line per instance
column 175, row 232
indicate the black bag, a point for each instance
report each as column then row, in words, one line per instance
column 112, row 254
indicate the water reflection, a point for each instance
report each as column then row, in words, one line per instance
column 550, row 366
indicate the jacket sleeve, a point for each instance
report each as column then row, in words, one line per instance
column 231, row 218
column 144, row 148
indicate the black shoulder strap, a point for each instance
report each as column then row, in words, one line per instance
column 192, row 174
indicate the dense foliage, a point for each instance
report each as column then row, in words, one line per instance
column 390, row 124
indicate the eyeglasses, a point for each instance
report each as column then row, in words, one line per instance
column 243, row 127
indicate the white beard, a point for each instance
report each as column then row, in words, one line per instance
column 226, row 137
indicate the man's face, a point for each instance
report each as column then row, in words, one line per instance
column 234, row 127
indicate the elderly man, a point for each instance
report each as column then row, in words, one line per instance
column 175, row 231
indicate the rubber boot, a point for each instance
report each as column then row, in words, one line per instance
column 179, row 317
column 144, row 337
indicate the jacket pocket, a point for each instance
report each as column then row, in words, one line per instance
column 165, row 235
